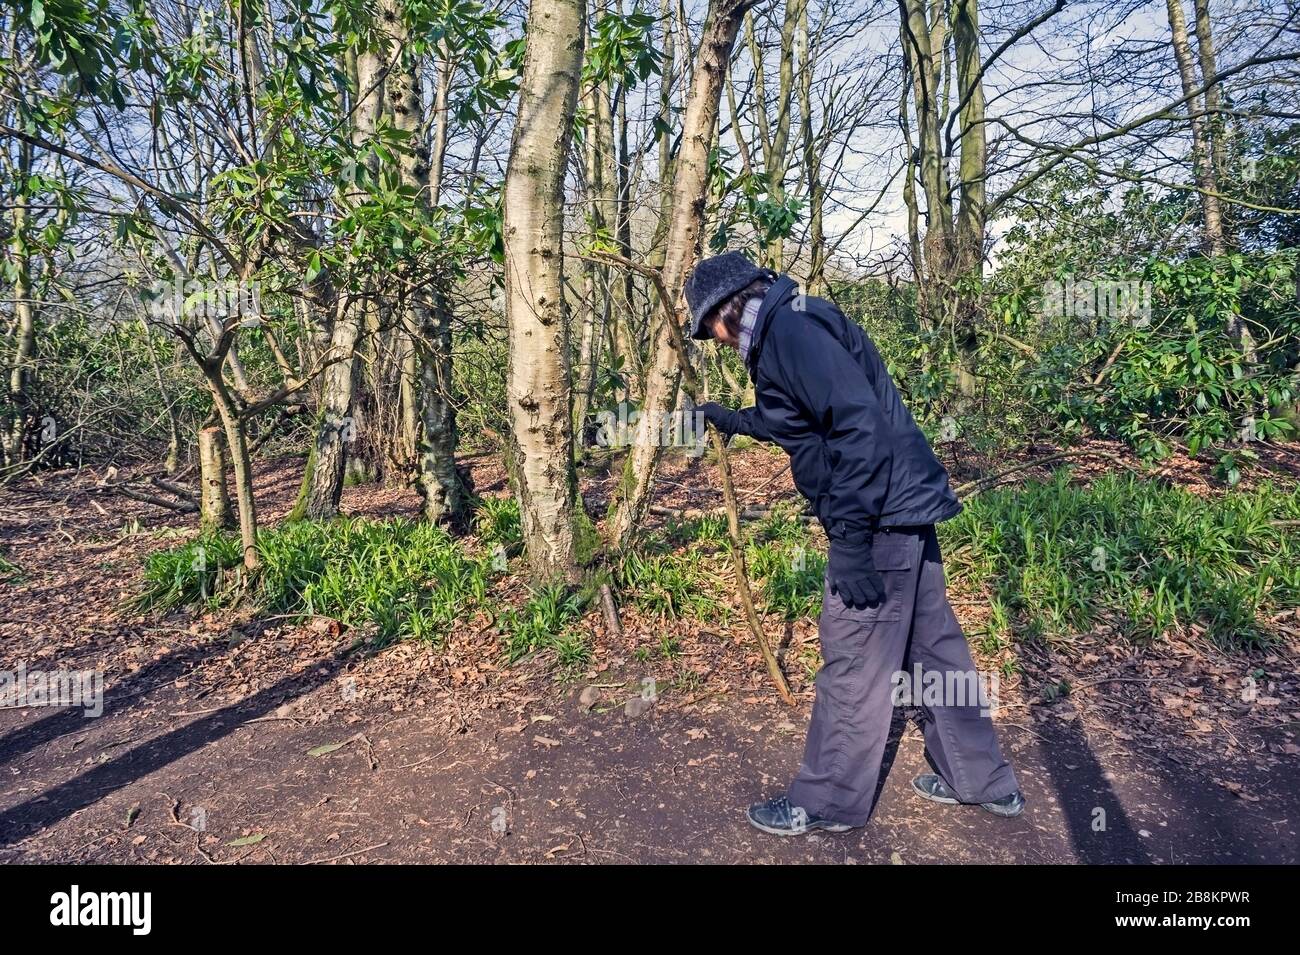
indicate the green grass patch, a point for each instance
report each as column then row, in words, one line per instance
column 194, row 573
column 404, row 579
column 686, row 570
column 496, row 521
column 544, row 622
column 709, row 530
column 669, row 585
column 790, row 578
column 787, row 564
column 1055, row 558
column 1146, row 558
column 10, row 573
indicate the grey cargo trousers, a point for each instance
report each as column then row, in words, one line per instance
column 862, row 651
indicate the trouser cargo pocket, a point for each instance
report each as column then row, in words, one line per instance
column 895, row 558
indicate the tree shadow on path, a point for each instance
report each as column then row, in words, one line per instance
column 88, row 788
column 119, row 698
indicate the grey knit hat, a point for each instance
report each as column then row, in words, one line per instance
column 715, row 280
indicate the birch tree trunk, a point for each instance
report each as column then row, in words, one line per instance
column 322, row 482
column 538, row 386
column 214, row 498
column 624, row 294
column 690, row 180
column 1207, row 147
column 812, row 160
column 1215, row 119
column 1206, row 180
column 951, row 249
column 937, row 243
column 595, row 306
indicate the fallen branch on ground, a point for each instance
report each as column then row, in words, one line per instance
column 695, row 513
column 180, row 490
column 610, row 609
column 182, row 506
column 346, row 855
column 754, row 493
column 971, row 488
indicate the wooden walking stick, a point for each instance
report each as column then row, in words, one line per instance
column 691, row 382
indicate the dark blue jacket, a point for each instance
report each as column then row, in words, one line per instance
column 823, row 394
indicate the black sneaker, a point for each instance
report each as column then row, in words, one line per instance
column 780, row 818
column 930, row 786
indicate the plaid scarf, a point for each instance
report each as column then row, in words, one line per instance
column 748, row 318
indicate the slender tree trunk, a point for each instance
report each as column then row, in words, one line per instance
column 214, row 498
column 625, row 292
column 608, row 218
column 909, row 185
column 241, row 461
column 690, row 182
column 1206, row 136
column 594, row 277
column 812, row 162
column 537, row 378
column 408, row 394
column 774, row 139
column 938, row 239
column 950, row 250
column 25, row 316
column 972, row 170
column 438, row 481
column 1206, row 180
column 322, row 482
column 429, row 416
column 1215, row 119
column 667, row 116
column 588, row 352
column 445, row 498
column 779, row 160
column 667, row 166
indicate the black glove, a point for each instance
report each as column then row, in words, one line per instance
column 851, row 571
column 717, row 416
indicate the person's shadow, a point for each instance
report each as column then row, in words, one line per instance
column 897, row 729
column 1098, row 827
column 1100, row 830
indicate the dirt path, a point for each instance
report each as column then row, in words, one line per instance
column 567, row 785
column 219, row 741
